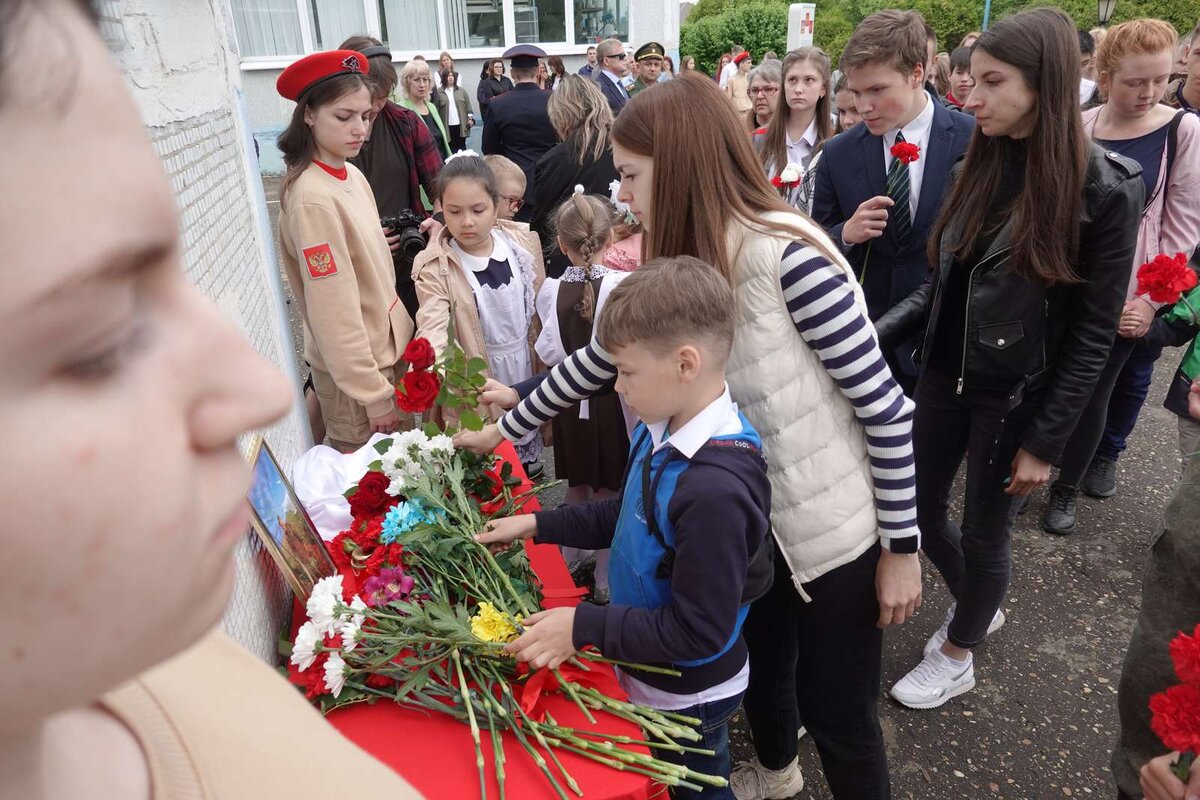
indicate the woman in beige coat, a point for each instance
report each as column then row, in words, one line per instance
column 483, row 272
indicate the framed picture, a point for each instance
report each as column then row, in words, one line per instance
column 284, row 526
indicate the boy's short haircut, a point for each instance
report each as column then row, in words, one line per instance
column 1087, row 43
column 890, row 37
column 668, row 302
column 505, row 170
column 960, row 60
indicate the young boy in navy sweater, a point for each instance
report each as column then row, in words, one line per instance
column 689, row 530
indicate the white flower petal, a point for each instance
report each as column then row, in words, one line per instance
column 304, row 648
column 335, row 674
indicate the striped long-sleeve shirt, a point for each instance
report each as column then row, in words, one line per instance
column 821, row 303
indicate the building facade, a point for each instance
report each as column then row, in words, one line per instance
column 270, row 34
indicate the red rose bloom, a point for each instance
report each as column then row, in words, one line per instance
column 417, row 391
column 1185, row 653
column 371, row 498
column 1175, row 718
column 419, row 353
column 1165, row 279
column 907, row 152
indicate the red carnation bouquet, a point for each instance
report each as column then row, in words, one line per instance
column 906, row 153
column 452, row 381
column 1175, row 713
column 1165, row 278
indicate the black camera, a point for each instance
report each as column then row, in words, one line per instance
column 407, row 225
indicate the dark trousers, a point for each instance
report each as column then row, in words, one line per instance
column 714, row 727
column 974, row 558
column 1083, row 442
column 820, row 662
column 1128, row 397
column 458, row 138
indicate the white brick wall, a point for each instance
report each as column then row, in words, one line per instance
column 184, row 76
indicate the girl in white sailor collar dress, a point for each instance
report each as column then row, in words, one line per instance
column 485, row 272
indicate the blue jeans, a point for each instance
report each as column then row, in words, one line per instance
column 714, row 728
column 1128, row 396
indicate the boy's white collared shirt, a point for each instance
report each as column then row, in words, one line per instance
column 916, row 132
column 718, row 418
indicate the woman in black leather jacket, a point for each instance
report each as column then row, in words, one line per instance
column 1033, row 249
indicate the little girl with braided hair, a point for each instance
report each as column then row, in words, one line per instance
column 591, row 441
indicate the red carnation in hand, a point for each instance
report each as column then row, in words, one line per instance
column 419, row 353
column 907, row 152
column 1165, row 279
column 1175, row 718
column 417, row 391
column 1185, row 653
column 371, row 498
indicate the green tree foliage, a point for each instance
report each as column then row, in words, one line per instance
column 952, row 19
column 758, row 26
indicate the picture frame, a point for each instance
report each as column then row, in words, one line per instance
column 283, row 525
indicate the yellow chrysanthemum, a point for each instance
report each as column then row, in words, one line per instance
column 492, row 625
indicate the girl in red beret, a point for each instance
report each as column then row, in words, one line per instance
column 334, row 252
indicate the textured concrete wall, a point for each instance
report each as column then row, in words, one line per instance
column 182, row 69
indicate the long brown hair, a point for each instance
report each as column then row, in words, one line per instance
column 713, row 166
column 297, row 143
column 1043, row 45
column 774, row 151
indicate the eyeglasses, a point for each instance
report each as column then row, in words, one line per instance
column 514, row 203
column 764, row 90
column 618, row 56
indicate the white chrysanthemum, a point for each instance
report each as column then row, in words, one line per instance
column 351, row 627
column 325, row 598
column 441, row 444
column 335, row 674
column 304, row 649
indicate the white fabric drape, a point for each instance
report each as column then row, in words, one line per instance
column 267, row 27
column 412, row 25
column 337, row 20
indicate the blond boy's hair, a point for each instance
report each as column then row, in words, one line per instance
column 669, row 302
column 505, row 170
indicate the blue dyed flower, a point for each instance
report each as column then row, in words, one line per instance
column 406, row 516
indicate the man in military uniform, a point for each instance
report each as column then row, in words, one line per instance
column 649, row 58
column 518, row 126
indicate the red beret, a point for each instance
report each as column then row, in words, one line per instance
column 306, row 73
column 742, row 56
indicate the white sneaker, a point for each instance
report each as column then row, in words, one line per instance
column 935, row 680
column 939, row 636
column 752, row 781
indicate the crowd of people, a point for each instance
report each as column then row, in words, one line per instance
column 763, row 346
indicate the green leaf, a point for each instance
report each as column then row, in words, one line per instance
column 478, row 380
column 431, row 429
column 353, row 490
column 375, row 466
column 476, row 365
column 382, row 446
column 471, row 421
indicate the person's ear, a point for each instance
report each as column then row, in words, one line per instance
column 689, row 361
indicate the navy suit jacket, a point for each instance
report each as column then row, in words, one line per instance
column 851, row 172
column 518, row 127
column 616, row 100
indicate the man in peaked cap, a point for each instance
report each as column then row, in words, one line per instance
column 518, row 126
column 650, row 60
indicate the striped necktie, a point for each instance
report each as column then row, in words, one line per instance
column 897, row 181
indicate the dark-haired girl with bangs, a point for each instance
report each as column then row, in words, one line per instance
column 334, row 251
column 1032, row 253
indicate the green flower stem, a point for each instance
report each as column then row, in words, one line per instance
column 537, row 733
column 497, row 747
column 462, row 682
column 1182, row 767
column 669, row 780
column 591, row 655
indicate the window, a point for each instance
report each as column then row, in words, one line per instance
column 540, row 20
column 268, row 27
column 601, row 19
column 475, row 23
column 410, row 25
column 336, row 21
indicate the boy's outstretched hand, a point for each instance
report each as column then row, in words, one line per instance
column 500, row 533
column 548, row 639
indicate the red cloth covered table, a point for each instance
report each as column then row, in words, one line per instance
column 435, row 753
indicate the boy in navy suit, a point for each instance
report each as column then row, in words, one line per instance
column 883, row 231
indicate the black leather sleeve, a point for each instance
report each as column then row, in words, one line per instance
column 1093, row 313
column 905, row 319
